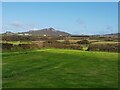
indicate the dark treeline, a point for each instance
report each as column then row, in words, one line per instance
column 19, row 47
column 38, row 38
column 115, row 47
column 29, row 38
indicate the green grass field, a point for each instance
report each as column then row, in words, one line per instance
column 60, row 68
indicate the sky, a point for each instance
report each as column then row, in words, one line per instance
column 72, row 17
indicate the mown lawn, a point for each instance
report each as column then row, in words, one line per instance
column 59, row 68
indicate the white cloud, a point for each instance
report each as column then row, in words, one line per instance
column 35, row 29
column 16, row 26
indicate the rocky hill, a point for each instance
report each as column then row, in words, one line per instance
column 47, row 32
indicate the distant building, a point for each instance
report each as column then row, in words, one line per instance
column 44, row 35
column 20, row 34
column 26, row 34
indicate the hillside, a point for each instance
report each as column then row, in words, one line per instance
column 47, row 32
column 109, row 35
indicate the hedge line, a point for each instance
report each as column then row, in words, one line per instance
column 64, row 45
column 10, row 47
column 109, row 47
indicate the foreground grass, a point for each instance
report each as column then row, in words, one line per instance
column 60, row 68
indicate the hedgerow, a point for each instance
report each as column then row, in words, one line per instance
column 109, row 47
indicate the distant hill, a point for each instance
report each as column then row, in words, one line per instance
column 114, row 34
column 111, row 35
column 47, row 32
column 54, row 32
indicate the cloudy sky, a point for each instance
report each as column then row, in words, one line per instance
column 75, row 18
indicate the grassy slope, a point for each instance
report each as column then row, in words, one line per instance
column 60, row 68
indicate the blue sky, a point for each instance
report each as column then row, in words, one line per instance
column 72, row 17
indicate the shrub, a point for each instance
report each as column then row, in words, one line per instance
column 83, row 42
column 7, row 46
column 61, row 45
column 11, row 47
column 40, row 44
column 28, row 46
column 51, row 41
column 66, row 42
column 104, row 47
column 109, row 39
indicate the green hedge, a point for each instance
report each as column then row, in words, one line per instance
column 55, row 44
column 109, row 47
column 19, row 47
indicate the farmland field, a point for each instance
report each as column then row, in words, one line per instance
column 60, row 68
column 16, row 42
